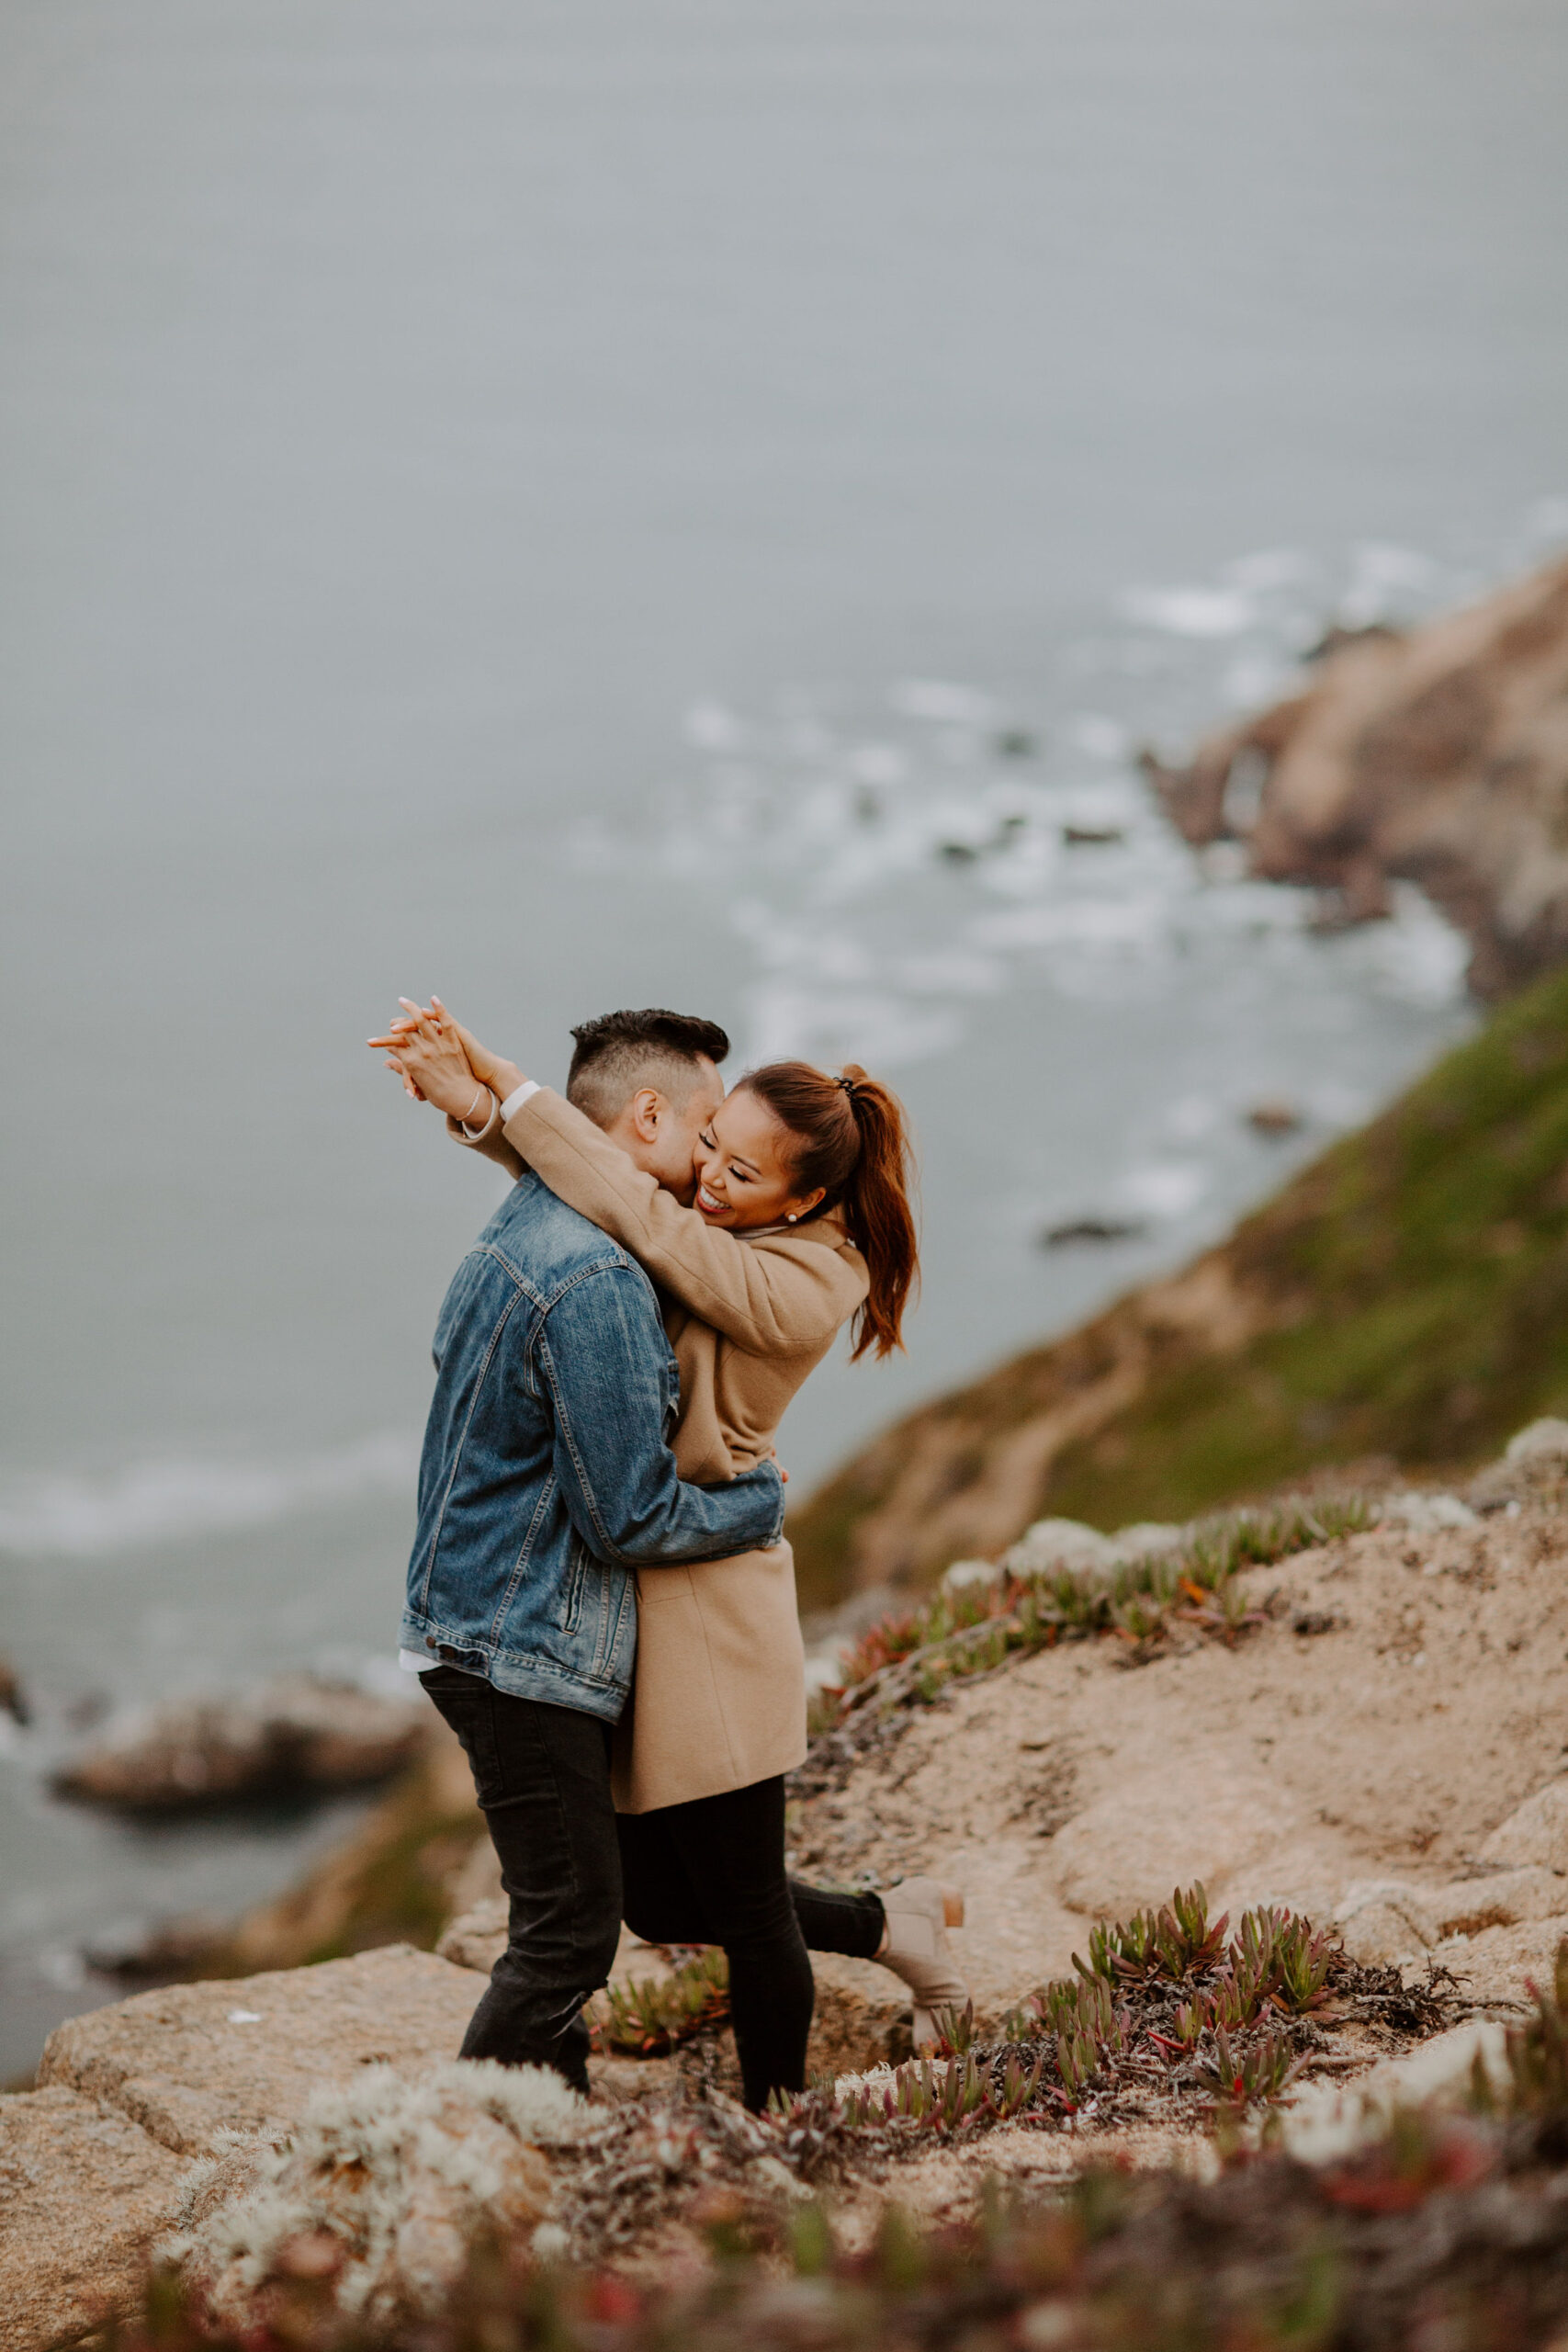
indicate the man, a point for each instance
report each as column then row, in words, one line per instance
column 546, row 1476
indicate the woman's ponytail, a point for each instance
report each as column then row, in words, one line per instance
column 877, row 1212
column 852, row 1139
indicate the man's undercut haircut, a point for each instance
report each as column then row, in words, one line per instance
column 623, row 1051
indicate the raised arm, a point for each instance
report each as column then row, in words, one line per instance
column 768, row 1294
column 604, row 1357
column 491, row 1141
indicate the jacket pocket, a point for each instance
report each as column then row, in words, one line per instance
column 577, row 1576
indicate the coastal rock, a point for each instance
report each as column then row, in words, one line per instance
column 1126, row 1852
column 13, row 1698
column 391, row 1879
column 1385, row 1919
column 1505, row 1899
column 378, row 2193
column 297, row 1733
column 246, row 2055
column 1440, row 757
column 81, row 2193
column 1536, row 1832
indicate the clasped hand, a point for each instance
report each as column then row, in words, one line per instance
column 441, row 1062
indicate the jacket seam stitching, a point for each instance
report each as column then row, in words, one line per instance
column 483, row 1374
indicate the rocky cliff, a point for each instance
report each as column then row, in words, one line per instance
column 1404, row 1298
column 1372, row 1735
column 1439, row 756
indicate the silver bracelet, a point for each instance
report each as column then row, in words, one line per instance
column 467, row 1115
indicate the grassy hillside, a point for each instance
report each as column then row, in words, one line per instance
column 1405, row 1295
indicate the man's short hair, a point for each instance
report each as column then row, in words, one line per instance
column 621, row 1051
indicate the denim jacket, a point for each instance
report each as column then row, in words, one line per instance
column 547, row 1475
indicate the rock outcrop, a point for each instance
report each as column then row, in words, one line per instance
column 392, row 1878
column 91, row 2162
column 83, row 2191
column 1440, row 757
column 299, row 1733
column 245, row 2055
column 1382, row 1750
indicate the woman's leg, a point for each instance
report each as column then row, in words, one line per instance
column 661, row 1904
column 712, row 1872
column 854, row 1924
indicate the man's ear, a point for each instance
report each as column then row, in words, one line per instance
column 647, row 1108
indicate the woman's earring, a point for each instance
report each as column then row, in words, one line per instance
column 790, row 1217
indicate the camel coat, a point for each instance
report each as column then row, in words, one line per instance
column 718, row 1698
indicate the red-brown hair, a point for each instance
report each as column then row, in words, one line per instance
column 848, row 1134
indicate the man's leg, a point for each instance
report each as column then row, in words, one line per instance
column 542, row 1775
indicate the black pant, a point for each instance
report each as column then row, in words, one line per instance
column 542, row 1775
column 711, row 1872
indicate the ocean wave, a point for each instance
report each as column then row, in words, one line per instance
column 170, row 1498
column 1193, row 612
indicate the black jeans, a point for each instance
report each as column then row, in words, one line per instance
column 542, row 1775
column 712, row 1872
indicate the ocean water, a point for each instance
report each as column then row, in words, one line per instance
column 592, row 504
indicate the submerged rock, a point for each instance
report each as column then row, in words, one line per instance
column 299, row 1733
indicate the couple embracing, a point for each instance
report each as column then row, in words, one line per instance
column 600, row 1602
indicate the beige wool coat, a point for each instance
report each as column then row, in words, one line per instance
column 718, row 1698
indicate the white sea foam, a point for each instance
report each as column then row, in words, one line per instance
column 1387, row 583
column 1101, row 738
column 1272, row 568
column 1163, row 1189
column 170, row 1499
column 1193, row 612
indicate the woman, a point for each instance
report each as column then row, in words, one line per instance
column 800, row 1224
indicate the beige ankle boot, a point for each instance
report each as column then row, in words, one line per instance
column 916, row 1948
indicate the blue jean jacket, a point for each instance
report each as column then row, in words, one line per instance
column 546, row 1473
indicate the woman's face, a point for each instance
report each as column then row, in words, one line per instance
column 743, row 1178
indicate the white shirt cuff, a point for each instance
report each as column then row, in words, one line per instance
column 518, row 1096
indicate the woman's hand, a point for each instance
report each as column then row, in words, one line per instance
column 426, row 1051
column 502, row 1077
